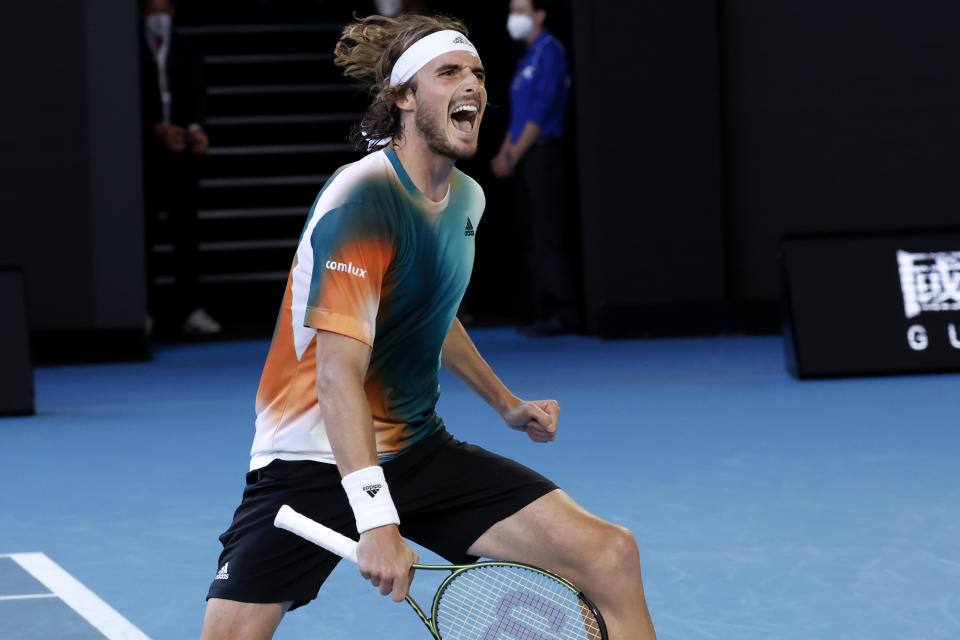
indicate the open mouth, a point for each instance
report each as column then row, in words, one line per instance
column 464, row 118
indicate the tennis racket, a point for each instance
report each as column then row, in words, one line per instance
column 483, row 601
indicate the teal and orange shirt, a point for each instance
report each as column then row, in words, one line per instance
column 381, row 263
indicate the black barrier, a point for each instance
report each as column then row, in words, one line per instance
column 16, row 373
column 869, row 304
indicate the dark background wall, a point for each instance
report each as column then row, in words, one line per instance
column 704, row 131
column 839, row 116
column 71, row 198
column 648, row 134
column 725, row 125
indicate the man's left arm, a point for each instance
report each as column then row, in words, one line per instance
column 538, row 418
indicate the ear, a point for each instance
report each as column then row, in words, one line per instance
column 406, row 101
column 540, row 16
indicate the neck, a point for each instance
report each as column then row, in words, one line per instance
column 429, row 171
column 534, row 35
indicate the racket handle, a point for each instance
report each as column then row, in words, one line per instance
column 316, row 533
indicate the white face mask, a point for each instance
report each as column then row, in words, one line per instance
column 519, row 25
column 158, row 25
column 389, row 8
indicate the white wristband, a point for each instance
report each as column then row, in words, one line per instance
column 370, row 498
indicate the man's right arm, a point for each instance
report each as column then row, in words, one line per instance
column 384, row 557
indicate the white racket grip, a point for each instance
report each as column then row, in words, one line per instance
column 287, row 518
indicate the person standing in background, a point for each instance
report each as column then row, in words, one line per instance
column 173, row 108
column 533, row 147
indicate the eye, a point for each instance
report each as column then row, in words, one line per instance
column 481, row 75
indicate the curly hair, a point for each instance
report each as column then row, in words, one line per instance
column 367, row 50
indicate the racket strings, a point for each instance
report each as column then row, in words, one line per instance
column 502, row 602
column 480, row 600
column 474, row 625
column 524, row 613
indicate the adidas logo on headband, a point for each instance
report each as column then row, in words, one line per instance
column 426, row 49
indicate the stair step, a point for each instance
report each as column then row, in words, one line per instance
column 274, row 69
column 233, row 245
column 280, row 149
column 257, row 212
column 270, row 89
column 247, row 245
column 236, row 100
column 257, row 276
column 229, row 131
column 221, row 278
column 266, row 58
column 284, row 229
column 259, row 197
column 262, row 181
column 281, row 118
column 281, row 164
column 228, row 261
column 278, row 115
column 247, row 29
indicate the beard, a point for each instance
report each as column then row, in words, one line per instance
column 430, row 124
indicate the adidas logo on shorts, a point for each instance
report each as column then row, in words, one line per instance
column 223, row 574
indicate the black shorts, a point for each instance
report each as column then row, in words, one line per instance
column 447, row 492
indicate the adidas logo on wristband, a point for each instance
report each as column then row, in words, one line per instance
column 369, row 496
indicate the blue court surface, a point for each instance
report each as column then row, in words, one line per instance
column 764, row 507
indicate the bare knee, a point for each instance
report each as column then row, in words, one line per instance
column 611, row 565
column 603, row 557
column 618, row 550
column 227, row 619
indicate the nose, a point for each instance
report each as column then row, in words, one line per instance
column 474, row 88
column 472, row 83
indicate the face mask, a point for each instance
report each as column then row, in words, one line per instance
column 158, row 25
column 389, row 8
column 519, row 25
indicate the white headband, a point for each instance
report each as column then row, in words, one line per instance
column 426, row 49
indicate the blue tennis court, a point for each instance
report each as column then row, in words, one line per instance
column 764, row 507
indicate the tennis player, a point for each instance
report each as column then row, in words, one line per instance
column 346, row 428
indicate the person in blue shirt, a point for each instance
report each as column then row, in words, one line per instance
column 533, row 147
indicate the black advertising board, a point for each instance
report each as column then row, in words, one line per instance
column 16, row 372
column 870, row 304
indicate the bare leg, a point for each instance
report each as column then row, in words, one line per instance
column 226, row 619
column 557, row 534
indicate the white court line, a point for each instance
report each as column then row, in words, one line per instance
column 97, row 612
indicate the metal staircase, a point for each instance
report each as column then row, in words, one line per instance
column 278, row 114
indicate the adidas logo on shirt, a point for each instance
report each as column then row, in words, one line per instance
column 223, row 574
column 469, row 230
column 346, row 267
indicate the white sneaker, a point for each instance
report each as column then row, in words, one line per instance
column 199, row 322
